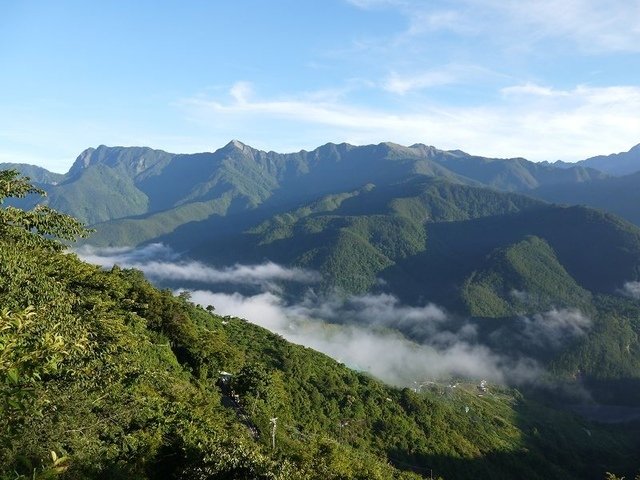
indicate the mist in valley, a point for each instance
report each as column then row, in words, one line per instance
column 376, row 333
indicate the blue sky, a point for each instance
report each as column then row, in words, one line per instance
column 541, row 79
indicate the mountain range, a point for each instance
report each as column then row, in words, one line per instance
column 111, row 183
column 618, row 164
column 126, row 182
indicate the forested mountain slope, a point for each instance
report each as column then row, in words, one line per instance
column 424, row 237
column 104, row 376
column 415, row 222
column 155, row 192
column 351, row 238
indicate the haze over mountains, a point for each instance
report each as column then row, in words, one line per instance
column 621, row 163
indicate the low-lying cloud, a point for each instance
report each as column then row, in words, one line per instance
column 383, row 353
column 632, row 289
column 555, row 327
column 159, row 262
column 366, row 332
column 541, row 332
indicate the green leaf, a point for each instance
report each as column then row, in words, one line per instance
column 13, row 376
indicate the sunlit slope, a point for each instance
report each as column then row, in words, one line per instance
column 523, row 278
column 425, row 238
column 353, row 237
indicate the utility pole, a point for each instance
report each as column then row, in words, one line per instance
column 274, row 421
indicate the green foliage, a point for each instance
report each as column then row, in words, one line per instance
column 26, row 354
column 42, row 221
column 101, row 193
column 523, row 278
column 352, row 238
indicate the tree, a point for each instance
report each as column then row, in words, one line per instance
column 42, row 225
column 26, row 351
column 25, row 356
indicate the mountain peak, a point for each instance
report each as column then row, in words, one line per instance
column 237, row 144
column 83, row 160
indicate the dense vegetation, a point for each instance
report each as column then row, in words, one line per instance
column 353, row 238
column 523, row 278
column 104, row 376
column 423, row 224
column 420, row 223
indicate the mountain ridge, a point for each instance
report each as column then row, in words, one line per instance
column 622, row 163
column 160, row 180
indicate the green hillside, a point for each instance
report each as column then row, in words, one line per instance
column 353, row 237
column 426, row 237
column 599, row 251
column 415, row 222
column 100, row 194
column 481, row 253
column 523, row 278
column 104, row 376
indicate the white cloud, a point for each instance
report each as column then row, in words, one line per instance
column 404, row 83
column 367, row 332
column 537, row 122
column 238, row 274
column 632, row 289
column 555, row 327
column 159, row 262
column 591, row 25
column 530, row 88
column 241, row 91
column 384, row 354
column 550, row 330
column 423, row 323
